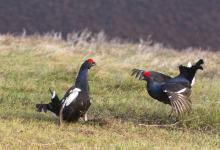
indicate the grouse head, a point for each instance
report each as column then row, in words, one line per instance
column 146, row 75
column 89, row 63
column 149, row 75
column 141, row 74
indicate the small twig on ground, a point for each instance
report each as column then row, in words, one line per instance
column 166, row 125
column 158, row 125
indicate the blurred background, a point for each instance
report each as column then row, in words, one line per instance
column 172, row 23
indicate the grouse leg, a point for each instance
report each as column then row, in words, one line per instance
column 172, row 117
column 61, row 116
column 85, row 117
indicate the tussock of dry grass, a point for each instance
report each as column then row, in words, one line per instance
column 30, row 65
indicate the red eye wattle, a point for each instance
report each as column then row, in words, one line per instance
column 90, row 60
column 147, row 74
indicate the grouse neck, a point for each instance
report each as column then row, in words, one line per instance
column 81, row 80
column 150, row 82
column 189, row 75
column 148, row 79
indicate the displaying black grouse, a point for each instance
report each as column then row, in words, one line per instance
column 76, row 100
column 173, row 91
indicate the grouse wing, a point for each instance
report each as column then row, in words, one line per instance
column 178, row 94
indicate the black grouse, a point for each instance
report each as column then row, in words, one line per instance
column 173, row 91
column 76, row 100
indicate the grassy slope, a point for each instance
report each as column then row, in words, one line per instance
column 29, row 66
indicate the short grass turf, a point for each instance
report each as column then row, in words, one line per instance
column 122, row 115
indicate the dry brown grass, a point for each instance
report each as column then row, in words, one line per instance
column 30, row 65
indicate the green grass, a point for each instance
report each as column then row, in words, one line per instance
column 32, row 65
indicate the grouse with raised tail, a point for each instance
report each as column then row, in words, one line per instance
column 173, row 91
column 76, row 100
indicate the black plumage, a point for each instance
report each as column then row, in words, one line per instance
column 54, row 106
column 76, row 100
column 173, row 91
